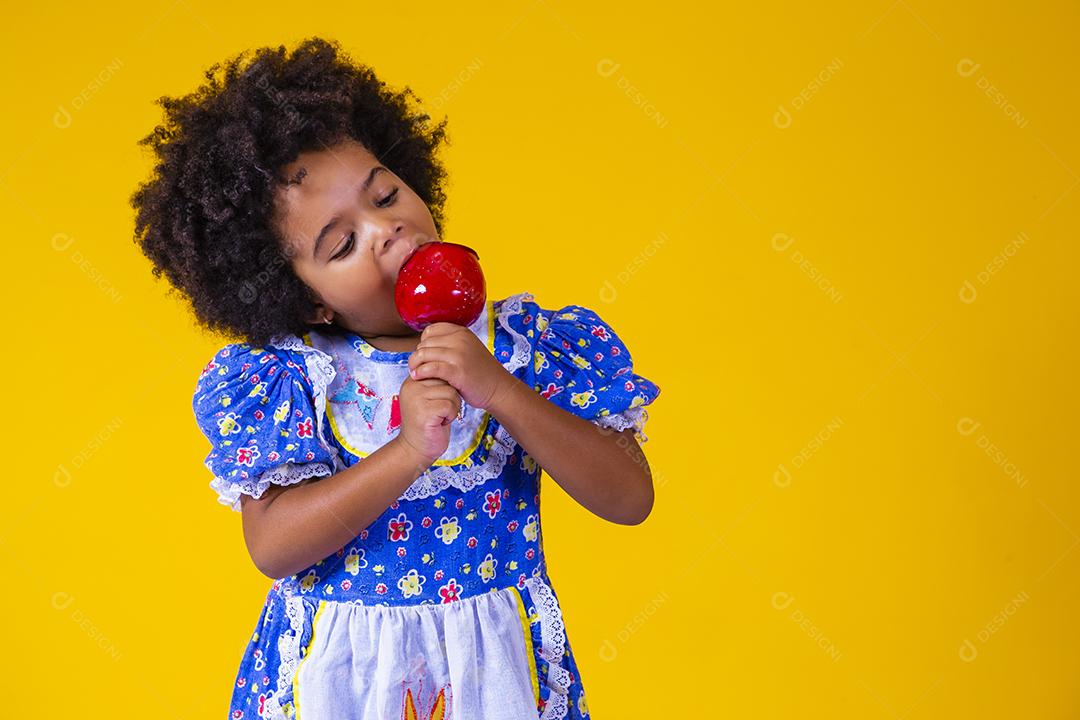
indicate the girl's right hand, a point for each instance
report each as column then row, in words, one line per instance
column 428, row 406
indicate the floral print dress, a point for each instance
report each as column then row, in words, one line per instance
column 442, row 607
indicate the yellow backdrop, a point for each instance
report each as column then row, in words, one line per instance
column 836, row 236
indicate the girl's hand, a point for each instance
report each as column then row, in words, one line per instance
column 455, row 354
column 427, row 409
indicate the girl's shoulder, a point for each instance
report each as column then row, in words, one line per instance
column 261, row 409
column 523, row 314
column 574, row 357
column 240, row 361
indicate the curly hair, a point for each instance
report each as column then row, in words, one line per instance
column 205, row 217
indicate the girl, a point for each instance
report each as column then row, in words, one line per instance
column 388, row 480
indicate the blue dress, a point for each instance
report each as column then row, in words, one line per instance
column 442, row 607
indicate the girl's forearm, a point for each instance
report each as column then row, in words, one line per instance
column 312, row 521
column 605, row 471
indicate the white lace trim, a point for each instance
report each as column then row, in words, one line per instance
column 522, row 346
column 289, row 659
column 229, row 491
column 321, row 371
column 634, row 417
column 552, row 647
column 436, row 479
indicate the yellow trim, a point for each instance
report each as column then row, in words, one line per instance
column 307, row 654
column 528, row 644
column 480, row 431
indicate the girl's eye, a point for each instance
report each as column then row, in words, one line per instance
column 387, row 200
column 346, row 247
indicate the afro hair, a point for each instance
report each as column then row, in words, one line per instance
column 205, row 216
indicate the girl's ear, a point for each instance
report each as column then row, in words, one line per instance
column 320, row 315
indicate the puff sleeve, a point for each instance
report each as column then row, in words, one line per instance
column 257, row 410
column 581, row 364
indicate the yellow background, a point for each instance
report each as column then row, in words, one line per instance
column 837, row 236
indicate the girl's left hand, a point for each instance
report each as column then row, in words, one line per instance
column 455, row 354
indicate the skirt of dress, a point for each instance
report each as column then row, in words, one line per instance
column 498, row 655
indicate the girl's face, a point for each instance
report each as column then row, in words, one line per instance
column 349, row 223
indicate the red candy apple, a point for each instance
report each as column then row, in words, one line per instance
column 440, row 282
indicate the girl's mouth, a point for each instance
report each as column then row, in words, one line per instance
column 408, row 257
column 412, row 252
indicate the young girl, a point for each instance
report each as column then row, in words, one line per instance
column 388, row 480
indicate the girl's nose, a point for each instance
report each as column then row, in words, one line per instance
column 388, row 238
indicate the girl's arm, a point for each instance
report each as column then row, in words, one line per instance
column 602, row 469
column 291, row 527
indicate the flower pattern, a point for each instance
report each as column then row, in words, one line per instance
column 450, row 591
column 400, row 527
column 492, row 503
column 448, row 530
column 262, row 409
column 412, row 583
